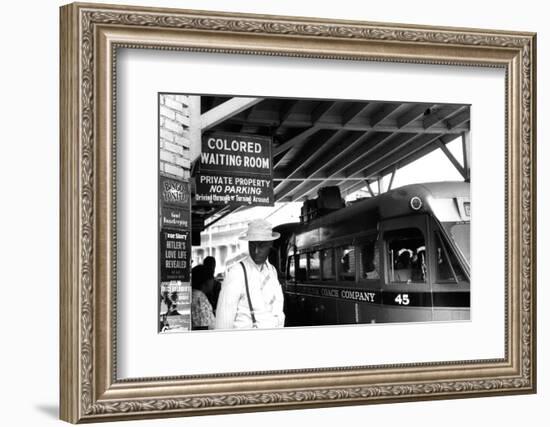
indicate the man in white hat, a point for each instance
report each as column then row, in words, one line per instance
column 251, row 295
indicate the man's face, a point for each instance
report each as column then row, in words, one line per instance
column 259, row 251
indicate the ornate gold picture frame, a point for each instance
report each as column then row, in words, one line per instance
column 90, row 37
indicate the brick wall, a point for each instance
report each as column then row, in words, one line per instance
column 174, row 135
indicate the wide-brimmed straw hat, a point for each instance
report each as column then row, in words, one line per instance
column 260, row 230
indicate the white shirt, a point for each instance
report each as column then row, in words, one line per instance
column 265, row 293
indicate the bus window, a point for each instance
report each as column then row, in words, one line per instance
column 406, row 255
column 302, row 267
column 290, row 270
column 347, row 263
column 314, row 270
column 461, row 235
column 448, row 267
column 370, row 261
column 327, row 262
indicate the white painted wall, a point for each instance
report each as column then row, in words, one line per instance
column 29, row 171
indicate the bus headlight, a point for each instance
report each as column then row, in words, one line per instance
column 415, row 203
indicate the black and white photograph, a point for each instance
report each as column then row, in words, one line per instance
column 292, row 212
column 275, row 213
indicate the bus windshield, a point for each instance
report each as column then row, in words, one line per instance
column 460, row 233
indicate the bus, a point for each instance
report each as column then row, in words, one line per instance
column 402, row 256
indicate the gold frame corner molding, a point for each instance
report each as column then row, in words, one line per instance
column 90, row 36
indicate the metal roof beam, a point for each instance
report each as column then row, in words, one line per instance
column 318, row 171
column 297, row 166
column 384, row 112
column 285, row 112
column 355, row 142
column 349, row 186
column 394, row 157
column 377, row 141
column 395, row 145
column 392, row 126
column 414, row 113
column 440, row 115
column 322, row 110
column 353, row 112
column 452, row 159
column 292, row 142
column 367, row 183
column 260, row 117
column 374, row 170
column 466, row 148
column 226, row 110
column 412, row 157
column 301, row 178
column 394, row 172
column 363, row 125
column 352, row 188
column 246, row 127
column 250, row 129
column 316, row 145
column 459, row 120
column 407, row 159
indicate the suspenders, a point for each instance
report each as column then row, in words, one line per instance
column 254, row 323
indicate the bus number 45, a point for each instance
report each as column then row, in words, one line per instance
column 402, row 299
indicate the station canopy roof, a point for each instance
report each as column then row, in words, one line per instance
column 348, row 143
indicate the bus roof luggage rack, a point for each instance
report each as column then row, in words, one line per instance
column 328, row 200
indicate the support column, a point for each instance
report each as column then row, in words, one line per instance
column 194, row 109
column 466, row 152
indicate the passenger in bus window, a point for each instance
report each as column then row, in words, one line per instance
column 327, row 261
column 370, row 260
column 301, row 273
column 447, row 271
column 314, row 266
column 403, row 266
column 419, row 265
column 290, row 269
column 347, row 263
column 251, row 295
column 404, row 246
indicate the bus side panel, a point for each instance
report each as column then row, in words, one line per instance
column 363, row 313
column 389, row 314
column 291, row 309
column 448, row 313
column 348, row 312
column 325, row 311
column 359, row 312
column 301, row 311
column 307, row 310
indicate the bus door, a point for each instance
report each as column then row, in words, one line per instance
column 300, row 297
column 451, row 280
column 359, row 281
column 289, row 288
column 406, row 295
column 323, row 305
